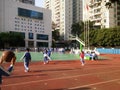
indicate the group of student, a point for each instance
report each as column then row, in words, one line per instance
column 27, row 58
column 91, row 56
column 9, row 56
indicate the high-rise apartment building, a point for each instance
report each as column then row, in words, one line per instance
column 34, row 23
column 100, row 15
column 64, row 14
column 67, row 12
column 117, row 14
column 54, row 6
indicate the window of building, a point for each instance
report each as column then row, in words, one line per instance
column 42, row 37
column 30, row 35
column 30, row 14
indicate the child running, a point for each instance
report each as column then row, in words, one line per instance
column 27, row 59
column 45, row 56
column 82, row 58
column 49, row 54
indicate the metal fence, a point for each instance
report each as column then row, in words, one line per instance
column 108, row 50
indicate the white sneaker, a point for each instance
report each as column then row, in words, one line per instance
column 26, row 71
column 44, row 63
column 82, row 64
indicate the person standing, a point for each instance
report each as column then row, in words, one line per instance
column 27, row 59
column 82, row 58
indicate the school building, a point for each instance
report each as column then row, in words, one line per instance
column 34, row 23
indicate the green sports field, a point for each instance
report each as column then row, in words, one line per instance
column 38, row 56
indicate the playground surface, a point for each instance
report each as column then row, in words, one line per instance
column 103, row 74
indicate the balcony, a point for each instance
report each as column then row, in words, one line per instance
column 96, row 19
column 97, row 13
column 97, row 1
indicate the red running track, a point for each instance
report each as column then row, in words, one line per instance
column 66, row 75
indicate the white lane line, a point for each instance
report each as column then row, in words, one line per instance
column 88, row 85
column 36, row 81
column 72, row 76
column 74, row 68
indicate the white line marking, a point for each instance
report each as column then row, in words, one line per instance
column 59, row 78
column 74, row 68
column 95, row 84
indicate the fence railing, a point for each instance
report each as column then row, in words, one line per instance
column 108, row 50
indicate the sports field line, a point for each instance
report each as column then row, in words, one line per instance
column 94, row 84
column 74, row 69
column 37, row 81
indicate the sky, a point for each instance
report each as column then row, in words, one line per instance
column 39, row 3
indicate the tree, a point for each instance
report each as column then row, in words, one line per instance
column 113, row 1
column 13, row 39
column 93, row 34
column 109, row 4
column 55, row 35
column 77, row 28
column 4, row 39
column 54, row 26
column 106, row 37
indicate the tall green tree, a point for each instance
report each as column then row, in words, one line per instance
column 77, row 28
column 16, row 37
column 4, row 39
column 11, row 39
column 110, row 37
column 105, row 37
column 55, row 35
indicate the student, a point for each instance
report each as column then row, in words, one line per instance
column 46, row 60
column 49, row 54
column 94, row 56
column 7, row 56
column 82, row 58
column 27, row 59
column 3, row 72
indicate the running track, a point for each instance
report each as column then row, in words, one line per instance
column 66, row 75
